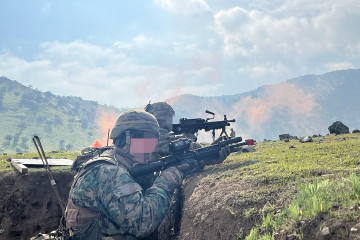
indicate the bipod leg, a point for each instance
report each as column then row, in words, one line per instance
column 44, row 160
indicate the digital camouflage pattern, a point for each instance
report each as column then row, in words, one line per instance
column 160, row 110
column 137, row 120
column 123, row 205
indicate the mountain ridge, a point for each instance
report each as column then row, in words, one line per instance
column 300, row 106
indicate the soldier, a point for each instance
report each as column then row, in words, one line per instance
column 232, row 133
column 164, row 113
column 105, row 202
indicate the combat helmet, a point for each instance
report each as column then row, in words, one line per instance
column 160, row 109
column 163, row 113
column 135, row 120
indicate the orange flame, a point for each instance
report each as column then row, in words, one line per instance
column 97, row 144
column 105, row 123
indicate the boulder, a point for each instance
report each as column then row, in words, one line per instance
column 284, row 136
column 356, row 131
column 338, row 128
column 306, row 139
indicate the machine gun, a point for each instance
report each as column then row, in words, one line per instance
column 193, row 125
column 180, row 154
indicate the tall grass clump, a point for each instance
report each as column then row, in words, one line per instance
column 313, row 198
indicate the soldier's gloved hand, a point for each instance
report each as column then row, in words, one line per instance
column 223, row 153
column 173, row 176
column 189, row 167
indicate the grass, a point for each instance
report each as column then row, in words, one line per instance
column 320, row 178
column 5, row 165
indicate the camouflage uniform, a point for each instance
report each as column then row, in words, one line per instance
column 164, row 114
column 232, row 133
column 105, row 202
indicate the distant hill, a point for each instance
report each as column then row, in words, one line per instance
column 301, row 106
column 62, row 123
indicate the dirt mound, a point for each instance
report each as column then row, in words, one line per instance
column 214, row 209
column 28, row 205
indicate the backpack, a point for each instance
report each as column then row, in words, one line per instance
column 87, row 154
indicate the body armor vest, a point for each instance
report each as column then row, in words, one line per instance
column 84, row 222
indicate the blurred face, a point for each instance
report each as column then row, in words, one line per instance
column 165, row 122
column 142, row 144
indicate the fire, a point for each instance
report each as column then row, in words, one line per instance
column 97, row 144
column 105, row 123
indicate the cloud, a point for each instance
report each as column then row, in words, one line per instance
column 185, row 7
column 200, row 73
column 105, row 74
column 338, row 66
column 268, row 69
column 137, row 42
column 257, row 111
column 295, row 29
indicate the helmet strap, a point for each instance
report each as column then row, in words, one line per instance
column 127, row 141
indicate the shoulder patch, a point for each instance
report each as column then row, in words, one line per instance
column 126, row 189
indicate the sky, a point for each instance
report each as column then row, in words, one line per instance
column 126, row 53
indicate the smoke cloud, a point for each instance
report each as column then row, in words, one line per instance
column 107, row 120
column 275, row 99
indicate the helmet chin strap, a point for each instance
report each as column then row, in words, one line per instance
column 127, row 141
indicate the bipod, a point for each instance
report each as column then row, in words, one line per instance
column 44, row 160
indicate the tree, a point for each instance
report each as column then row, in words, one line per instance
column 69, row 147
column 61, row 144
column 24, row 144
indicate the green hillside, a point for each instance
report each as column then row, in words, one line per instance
column 62, row 123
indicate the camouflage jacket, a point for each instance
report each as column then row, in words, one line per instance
column 124, row 208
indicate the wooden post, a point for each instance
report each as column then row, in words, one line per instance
column 18, row 166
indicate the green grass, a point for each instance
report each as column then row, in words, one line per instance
column 320, row 178
column 5, row 165
column 276, row 160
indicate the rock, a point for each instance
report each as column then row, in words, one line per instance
column 306, row 139
column 316, row 135
column 319, row 141
column 356, row 131
column 325, row 233
column 291, row 146
column 355, row 232
column 338, row 128
column 286, row 140
column 248, row 148
column 284, row 136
